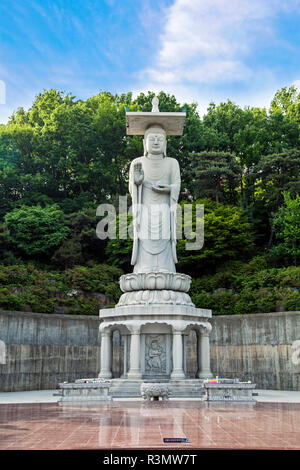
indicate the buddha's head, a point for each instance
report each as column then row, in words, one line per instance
column 155, row 141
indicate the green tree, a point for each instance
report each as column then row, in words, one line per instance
column 82, row 244
column 35, row 230
column 42, row 107
column 249, row 134
column 274, row 174
column 286, row 226
column 287, row 101
column 277, row 173
column 9, row 152
column 227, row 236
column 213, row 174
column 225, row 120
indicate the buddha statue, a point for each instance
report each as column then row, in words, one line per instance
column 154, row 184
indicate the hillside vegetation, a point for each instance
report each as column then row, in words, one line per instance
column 64, row 157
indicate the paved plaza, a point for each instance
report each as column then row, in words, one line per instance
column 34, row 420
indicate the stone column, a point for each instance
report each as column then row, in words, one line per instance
column 135, row 354
column 124, row 375
column 177, row 373
column 198, row 333
column 106, row 354
column 204, row 371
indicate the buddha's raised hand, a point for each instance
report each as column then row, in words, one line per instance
column 138, row 174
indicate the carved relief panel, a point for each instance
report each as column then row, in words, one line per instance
column 156, row 354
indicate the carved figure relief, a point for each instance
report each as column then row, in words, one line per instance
column 155, row 354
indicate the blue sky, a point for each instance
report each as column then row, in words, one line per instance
column 198, row 50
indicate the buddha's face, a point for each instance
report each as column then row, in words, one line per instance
column 155, row 142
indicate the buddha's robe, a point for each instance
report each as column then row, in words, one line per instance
column 154, row 224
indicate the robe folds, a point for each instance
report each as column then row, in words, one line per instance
column 154, row 215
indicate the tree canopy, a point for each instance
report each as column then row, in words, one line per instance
column 64, row 156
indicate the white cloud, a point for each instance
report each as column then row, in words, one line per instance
column 2, row 92
column 296, row 83
column 207, row 43
column 208, row 39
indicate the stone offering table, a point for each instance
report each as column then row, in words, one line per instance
column 84, row 391
column 229, row 391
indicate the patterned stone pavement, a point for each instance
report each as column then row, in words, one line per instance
column 143, row 425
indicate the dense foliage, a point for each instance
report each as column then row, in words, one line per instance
column 241, row 288
column 63, row 157
column 80, row 290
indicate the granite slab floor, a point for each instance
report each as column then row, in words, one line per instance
column 143, row 425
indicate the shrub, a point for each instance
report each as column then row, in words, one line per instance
column 26, row 287
column 35, row 230
column 246, row 291
column 227, row 237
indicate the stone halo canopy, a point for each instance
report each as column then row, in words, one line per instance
column 137, row 123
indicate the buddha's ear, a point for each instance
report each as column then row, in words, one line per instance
column 145, row 147
column 165, row 148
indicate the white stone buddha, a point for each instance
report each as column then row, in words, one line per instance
column 154, row 184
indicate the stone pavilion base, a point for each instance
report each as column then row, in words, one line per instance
column 154, row 317
column 155, row 338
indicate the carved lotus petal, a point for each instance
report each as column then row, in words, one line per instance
column 134, row 283
column 160, row 281
column 145, row 295
column 165, row 295
column 155, row 281
column 177, row 283
column 150, row 281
